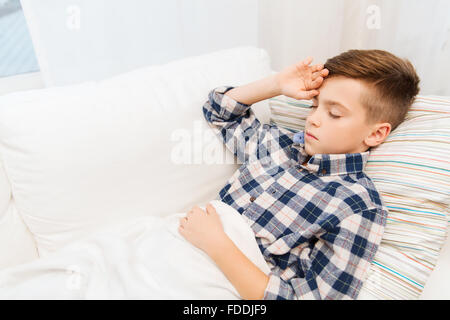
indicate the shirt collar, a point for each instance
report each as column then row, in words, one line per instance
column 327, row 164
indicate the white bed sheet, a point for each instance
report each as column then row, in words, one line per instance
column 145, row 258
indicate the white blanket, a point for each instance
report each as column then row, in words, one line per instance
column 146, row 258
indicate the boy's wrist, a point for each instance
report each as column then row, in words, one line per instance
column 218, row 246
column 274, row 85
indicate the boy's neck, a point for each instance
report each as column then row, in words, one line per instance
column 306, row 160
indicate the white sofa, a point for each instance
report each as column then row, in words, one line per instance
column 76, row 158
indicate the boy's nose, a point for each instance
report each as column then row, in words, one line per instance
column 313, row 120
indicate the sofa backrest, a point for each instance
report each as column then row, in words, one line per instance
column 82, row 156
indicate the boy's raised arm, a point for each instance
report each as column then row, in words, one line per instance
column 297, row 81
column 228, row 109
column 256, row 91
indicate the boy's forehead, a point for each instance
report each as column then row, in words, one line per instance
column 342, row 92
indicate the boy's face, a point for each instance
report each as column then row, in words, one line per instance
column 337, row 120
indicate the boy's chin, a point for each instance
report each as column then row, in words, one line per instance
column 309, row 151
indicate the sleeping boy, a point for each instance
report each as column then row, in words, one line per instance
column 317, row 217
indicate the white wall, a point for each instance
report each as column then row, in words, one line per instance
column 78, row 40
column 418, row 30
column 292, row 30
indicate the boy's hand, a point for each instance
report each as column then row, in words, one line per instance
column 300, row 80
column 202, row 228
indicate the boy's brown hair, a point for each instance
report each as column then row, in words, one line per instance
column 393, row 82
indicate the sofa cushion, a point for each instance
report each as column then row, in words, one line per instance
column 16, row 243
column 5, row 191
column 82, row 156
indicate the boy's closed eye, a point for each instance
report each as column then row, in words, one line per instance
column 331, row 114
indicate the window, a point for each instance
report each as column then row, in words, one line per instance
column 17, row 54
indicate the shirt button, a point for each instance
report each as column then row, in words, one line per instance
column 324, row 171
column 252, row 199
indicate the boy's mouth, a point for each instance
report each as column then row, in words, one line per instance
column 310, row 135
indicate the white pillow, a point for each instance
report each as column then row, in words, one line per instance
column 5, row 191
column 16, row 243
column 82, row 156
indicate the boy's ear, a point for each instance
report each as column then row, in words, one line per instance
column 378, row 135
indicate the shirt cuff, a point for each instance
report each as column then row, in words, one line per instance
column 227, row 104
column 273, row 287
column 278, row 289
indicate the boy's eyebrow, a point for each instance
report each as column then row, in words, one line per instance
column 332, row 102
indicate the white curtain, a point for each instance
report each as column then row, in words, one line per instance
column 418, row 30
column 80, row 40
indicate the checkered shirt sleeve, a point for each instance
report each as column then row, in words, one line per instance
column 236, row 125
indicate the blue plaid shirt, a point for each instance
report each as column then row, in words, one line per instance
column 318, row 224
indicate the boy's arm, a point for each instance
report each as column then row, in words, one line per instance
column 297, row 81
column 234, row 122
column 256, row 91
column 204, row 229
column 228, row 109
column 333, row 268
column 243, row 274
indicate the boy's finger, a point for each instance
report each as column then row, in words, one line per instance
column 316, row 67
column 307, row 61
column 197, row 209
column 183, row 231
column 310, row 94
column 210, row 208
column 317, row 82
column 314, row 92
column 315, row 75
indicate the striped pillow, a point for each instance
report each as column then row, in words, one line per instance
column 411, row 170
